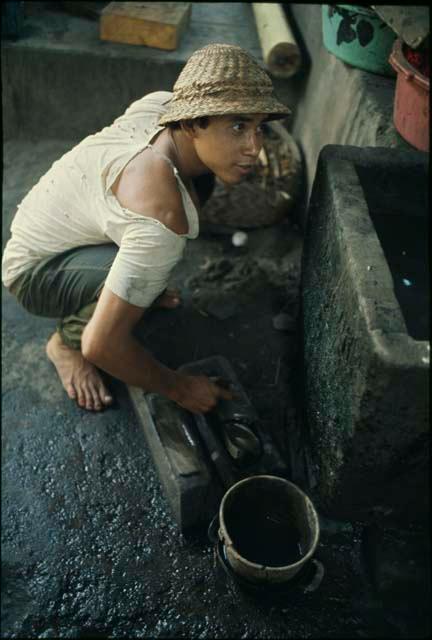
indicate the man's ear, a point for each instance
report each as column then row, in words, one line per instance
column 189, row 128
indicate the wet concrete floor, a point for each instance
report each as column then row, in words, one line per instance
column 89, row 545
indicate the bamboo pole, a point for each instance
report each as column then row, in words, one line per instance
column 280, row 50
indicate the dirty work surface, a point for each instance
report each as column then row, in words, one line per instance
column 89, row 546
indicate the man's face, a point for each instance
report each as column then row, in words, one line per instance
column 230, row 145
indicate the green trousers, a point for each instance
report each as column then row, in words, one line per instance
column 67, row 285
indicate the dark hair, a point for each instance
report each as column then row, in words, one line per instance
column 202, row 122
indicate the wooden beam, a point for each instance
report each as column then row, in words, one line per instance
column 279, row 47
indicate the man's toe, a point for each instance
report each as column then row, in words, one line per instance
column 71, row 391
column 104, row 395
column 107, row 399
column 96, row 399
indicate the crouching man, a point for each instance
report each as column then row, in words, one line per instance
column 95, row 240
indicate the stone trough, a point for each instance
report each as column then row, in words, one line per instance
column 365, row 315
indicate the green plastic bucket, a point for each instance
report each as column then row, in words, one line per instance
column 358, row 36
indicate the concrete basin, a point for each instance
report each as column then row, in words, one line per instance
column 365, row 313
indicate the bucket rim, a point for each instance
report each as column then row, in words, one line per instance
column 400, row 64
column 227, row 541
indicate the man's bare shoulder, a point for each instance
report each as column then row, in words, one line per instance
column 148, row 186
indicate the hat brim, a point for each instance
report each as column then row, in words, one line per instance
column 182, row 110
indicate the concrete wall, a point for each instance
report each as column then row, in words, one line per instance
column 52, row 94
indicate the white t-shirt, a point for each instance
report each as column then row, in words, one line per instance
column 72, row 205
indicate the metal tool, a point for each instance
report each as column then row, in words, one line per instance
column 199, row 456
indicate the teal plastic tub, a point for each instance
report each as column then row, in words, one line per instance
column 358, row 36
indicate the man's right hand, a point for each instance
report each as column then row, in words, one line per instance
column 198, row 394
column 108, row 343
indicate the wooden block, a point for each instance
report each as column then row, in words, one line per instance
column 153, row 24
column 187, row 476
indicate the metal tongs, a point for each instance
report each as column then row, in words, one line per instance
column 235, row 427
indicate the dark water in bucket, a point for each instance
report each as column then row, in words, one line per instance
column 266, row 540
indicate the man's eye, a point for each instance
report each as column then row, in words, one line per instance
column 238, row 126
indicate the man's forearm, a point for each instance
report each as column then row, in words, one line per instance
column 130, row 362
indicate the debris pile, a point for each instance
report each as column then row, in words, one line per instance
column 224, row 286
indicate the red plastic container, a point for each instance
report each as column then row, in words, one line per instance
column 411, row 104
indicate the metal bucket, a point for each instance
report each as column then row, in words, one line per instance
column 268, row 527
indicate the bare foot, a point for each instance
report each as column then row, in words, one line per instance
column 80, row 378
column 169, row 299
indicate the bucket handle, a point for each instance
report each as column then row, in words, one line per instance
column 317, row 578
column 212, row 531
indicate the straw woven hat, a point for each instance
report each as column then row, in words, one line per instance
column 222, row 79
